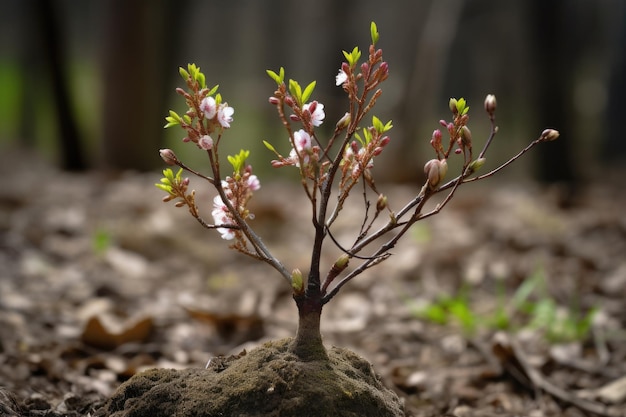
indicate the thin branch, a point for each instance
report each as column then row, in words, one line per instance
column 258, row 244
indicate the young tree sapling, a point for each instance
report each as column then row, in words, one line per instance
column 329, row 169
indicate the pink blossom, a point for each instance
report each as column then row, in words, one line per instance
column 303, row 143
column 205, row 142
column 208, row 107
column 341, row 78
column 302, row 140
column 317, row 112
column 253, row 183
column 225, row 115
column 221, row 216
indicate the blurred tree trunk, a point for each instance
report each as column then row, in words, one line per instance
column 554, row 45
column 48, row 30
column 137, row 44
column 614, row 143
column 430, row 60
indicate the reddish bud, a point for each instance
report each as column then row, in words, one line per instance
column 365, row 67
column 384, row 71
column 169, row 157
column 436, row 138
column 289, row 101
column 345, row 67
column 273, row 100
column 385, row 141
column 294, row 118
column 443, row 123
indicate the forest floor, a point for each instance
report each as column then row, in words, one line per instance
column 504, row 304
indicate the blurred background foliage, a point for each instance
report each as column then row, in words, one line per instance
column 88, row 83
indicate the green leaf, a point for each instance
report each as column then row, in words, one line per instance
column 436, row 314
column 308, row 91
column 460, row 106
column 170, row 123
column 183, row 73
column 213, row 90
column 174, row 115
column 378, row 125
column 172, row 120
column 278, row 78
column 374, row 33
column 460, row 310
column 388, row 126
column 238, row 161
column 368, row 136
column 201, row 79
column 296, row 91
column 166, row 188
column 352, row 57
column 359, row 138
column 269, row 146
column 169, row 174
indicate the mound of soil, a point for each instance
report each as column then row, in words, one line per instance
column 268, row 381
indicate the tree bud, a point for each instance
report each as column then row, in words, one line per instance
column 452, row 105
column 466, row 135
column 549, row 135
column 436, row 171
column 490, row 103
column 476, row 165
column 168, row 156
column 381, row 203
column 297, row 282
column 435, row 140
column 344, row 121
column 340, row 264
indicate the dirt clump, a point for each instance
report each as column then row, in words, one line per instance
column 268, row 381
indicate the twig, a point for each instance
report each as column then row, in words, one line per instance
column 534, row 379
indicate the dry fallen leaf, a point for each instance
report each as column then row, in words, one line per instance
column 96, row 334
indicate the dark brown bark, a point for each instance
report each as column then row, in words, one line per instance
column 553, row 42
column 307, row 344
column 137, row 44
column 54, row 49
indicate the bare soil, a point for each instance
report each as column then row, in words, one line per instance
column 100, row 280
